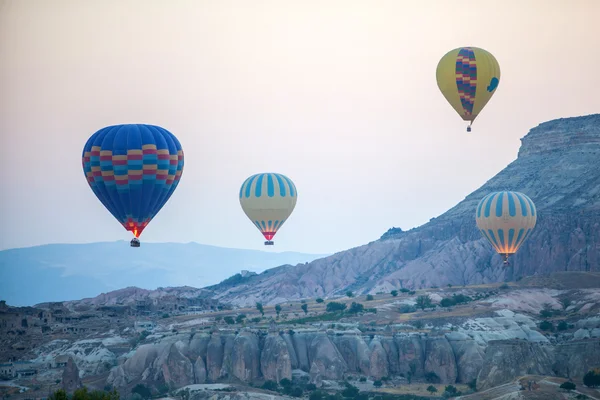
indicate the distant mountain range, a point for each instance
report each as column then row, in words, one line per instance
column 60, row 272
column 558, row 166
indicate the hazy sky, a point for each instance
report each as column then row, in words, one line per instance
column 340, row 96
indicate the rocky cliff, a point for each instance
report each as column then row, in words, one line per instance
column 252, row 356
column 558, row 166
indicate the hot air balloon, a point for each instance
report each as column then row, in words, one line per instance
column 268, row 199
column 506, row 219
column 133, row 169
column 468, row 78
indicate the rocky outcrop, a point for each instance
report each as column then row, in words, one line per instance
column 450, row 249
column 70, row 377
column 574, row 359
column 275, row 359
column 507, row 359
column 455, row 357
column 246, row 357
column 326, row 362
column 214, row 357
column 468, row 355
column 440, row 359
column 173, row 368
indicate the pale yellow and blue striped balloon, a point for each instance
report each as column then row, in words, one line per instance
column 268, row 200
column 506, row 219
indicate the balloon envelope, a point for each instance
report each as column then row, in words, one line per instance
column 506, row 219
column 133, row 169
column 268, row 199
column 468, row 78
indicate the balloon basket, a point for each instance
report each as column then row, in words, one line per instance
column 135, row 242
column 269, row 243
column 468, row 129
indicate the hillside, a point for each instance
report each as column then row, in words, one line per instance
column 484, row 337
column 60, row 272
column 558, row 166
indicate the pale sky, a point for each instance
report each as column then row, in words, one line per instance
column 338, row 95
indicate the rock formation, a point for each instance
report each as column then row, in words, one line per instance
column 454, row 357
column 70, row 377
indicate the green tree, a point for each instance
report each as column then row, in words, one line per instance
column 260, row 309
column 431, row 389
column 349, row 294
column 278, row 309
column 592, row 378
column 405, row 290
column 424, row 302
column 394, row 293
column 377, row 384
column 369, row 297
column 240, row 318
column 229, row 320
column 319, row 300
column 356, row 308
column 304, row 308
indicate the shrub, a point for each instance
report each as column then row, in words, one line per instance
column 394, row 293
column 350, row 391
column 504, row 286
column 405, row 290
column 547, row 326
column 431, row 389
column 356, row 308
column 334, row 306
column 377, row 384
column 369, row 297
column 349, row 294
column 406, row 309
column 270, row 385
column 260, row 309
column 319, row 300
column 304, row 308
column 362, row 379
column 568, row 386
column 446, row 302
column 229, row 320
column 562, row 326
column 240, row 318
column 142, row 390
column 450, row 389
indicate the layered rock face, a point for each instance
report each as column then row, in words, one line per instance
column 249, row 356
column 558, row 166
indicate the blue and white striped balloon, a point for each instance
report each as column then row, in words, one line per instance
column 268, row 199
column 506, row 219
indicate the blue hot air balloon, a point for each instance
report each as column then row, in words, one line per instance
column 133, row 169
